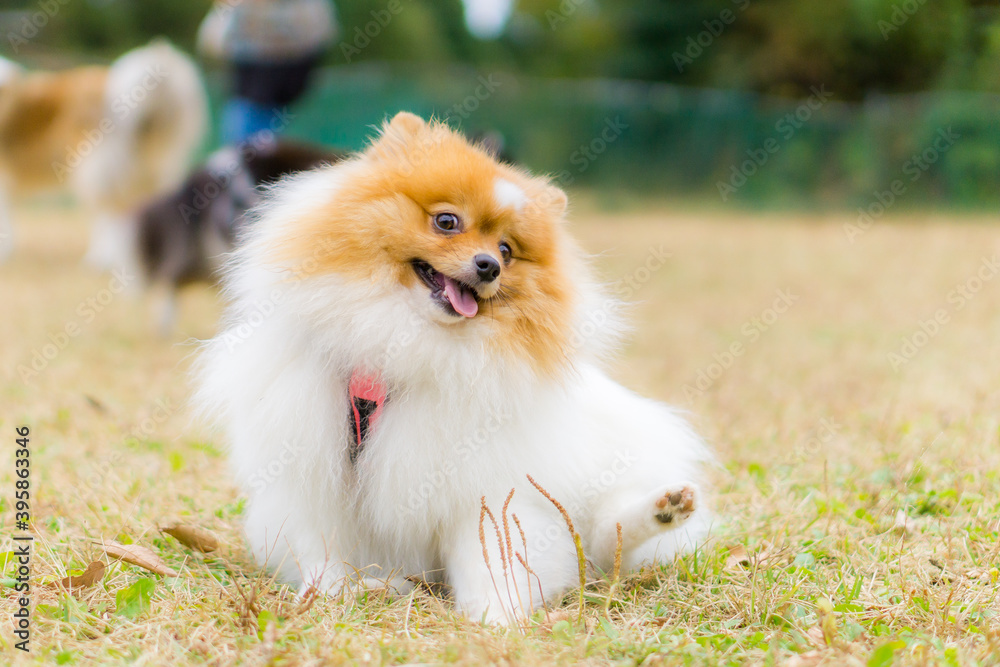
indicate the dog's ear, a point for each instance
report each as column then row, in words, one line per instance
column 405, row 124
column 400, row 137
column 548, row 200
column 557, row 200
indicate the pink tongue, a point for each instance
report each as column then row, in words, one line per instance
column 461, row 298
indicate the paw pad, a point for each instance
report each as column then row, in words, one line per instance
column 675, row 505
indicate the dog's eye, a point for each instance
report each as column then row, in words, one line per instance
column 447, row 222
column 505, row 252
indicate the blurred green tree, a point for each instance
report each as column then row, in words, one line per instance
column 782, row 47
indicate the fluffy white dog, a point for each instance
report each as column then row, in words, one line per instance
column 410, row 331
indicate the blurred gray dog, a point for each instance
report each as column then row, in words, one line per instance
column 183, row 237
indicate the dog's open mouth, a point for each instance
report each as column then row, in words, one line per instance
column 454, row 296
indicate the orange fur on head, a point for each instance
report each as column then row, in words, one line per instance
column 380, row 217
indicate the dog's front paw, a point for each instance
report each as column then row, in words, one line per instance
column 675, row 505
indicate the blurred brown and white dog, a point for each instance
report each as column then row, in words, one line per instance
column 115, row 137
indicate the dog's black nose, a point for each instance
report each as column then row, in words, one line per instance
column 487, row 268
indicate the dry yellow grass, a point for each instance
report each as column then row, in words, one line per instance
column 858, row 505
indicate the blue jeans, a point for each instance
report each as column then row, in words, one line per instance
column 241, row 119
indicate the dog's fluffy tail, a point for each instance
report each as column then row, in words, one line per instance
column 155, row 118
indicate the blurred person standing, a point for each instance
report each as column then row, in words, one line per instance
column 271, row 48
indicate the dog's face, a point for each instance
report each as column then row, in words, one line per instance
column 472, row 243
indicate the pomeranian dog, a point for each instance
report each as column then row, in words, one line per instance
column 412, row 334
column 114, row 137
column 182, row 237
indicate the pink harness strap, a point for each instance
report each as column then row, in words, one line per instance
column 367, row 395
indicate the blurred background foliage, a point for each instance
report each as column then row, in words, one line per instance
column 699, row 86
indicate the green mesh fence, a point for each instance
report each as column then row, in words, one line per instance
column 940, row 148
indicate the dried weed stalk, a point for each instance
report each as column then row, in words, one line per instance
column 577, row 540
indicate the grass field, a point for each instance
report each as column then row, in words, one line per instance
column 858, row 493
